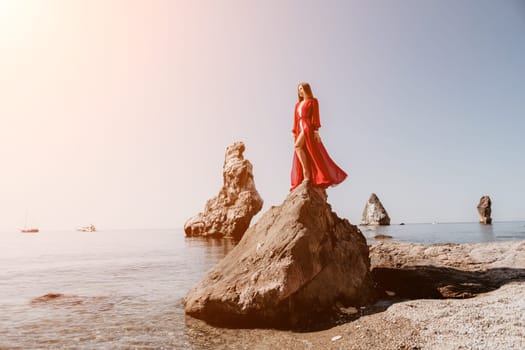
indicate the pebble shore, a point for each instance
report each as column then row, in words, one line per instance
column 495, row 320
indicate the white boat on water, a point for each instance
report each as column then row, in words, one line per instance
column 29, row 230
column 90, row 228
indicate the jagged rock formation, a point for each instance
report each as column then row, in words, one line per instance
column 291, row 268
column 374, row 212
column 485, row 210
column 447, row 270
column 229, row 213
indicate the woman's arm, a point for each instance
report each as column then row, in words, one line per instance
column 295, row 124
column 316, row 122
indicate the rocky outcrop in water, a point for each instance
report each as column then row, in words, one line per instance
column 446, row 270
column 374, row 212
column 291, row 268
column 229, row 213
column 485, row 210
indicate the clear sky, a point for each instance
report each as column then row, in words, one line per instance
column 118, row 113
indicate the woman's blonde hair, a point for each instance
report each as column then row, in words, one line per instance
column 307, row 89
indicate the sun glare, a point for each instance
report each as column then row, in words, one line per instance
column 17, row 18
column 9, row 10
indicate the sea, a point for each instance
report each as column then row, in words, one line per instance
column 124, row 289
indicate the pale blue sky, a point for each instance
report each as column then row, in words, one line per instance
column 118, row 112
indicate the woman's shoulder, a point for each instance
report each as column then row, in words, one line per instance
column 313, row 101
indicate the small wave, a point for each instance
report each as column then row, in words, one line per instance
column 47, row 297
column 96, row 303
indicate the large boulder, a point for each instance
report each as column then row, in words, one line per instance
column 485, row 210
column 229, row 213
column 290, row 268
column 374, row 212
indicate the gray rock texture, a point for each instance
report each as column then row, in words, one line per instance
column 374, row 212
column 229, row 213
column 485, row 210
column 446, row 270
column 491, row 321
column 291, row 268
column 491, row 275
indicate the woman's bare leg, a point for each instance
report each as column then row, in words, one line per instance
column 301, row 154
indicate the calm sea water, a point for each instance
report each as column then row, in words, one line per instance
column 450, row 232
column 123, row 289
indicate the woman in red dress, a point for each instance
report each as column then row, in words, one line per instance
column 311, row 161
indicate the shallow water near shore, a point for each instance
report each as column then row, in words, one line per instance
column 124, row 288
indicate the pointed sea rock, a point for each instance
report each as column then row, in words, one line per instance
column 375, row 213
column 229, row 213
column 485, row 210
column 290, row 269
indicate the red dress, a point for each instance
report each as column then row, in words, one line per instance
column 324, row 172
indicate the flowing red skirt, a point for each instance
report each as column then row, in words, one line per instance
column 324, row 172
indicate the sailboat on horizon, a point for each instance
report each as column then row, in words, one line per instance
column 28, row 229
